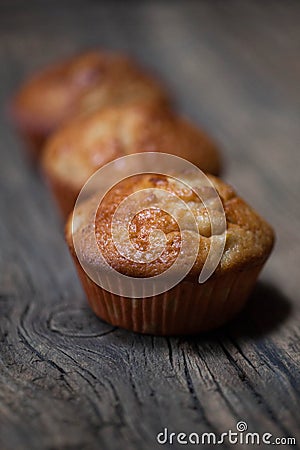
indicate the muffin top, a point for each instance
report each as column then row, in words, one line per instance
column 77, row 150
column 249, row 239
column 74, row 86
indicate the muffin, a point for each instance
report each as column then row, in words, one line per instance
column 77, row 150
column 90, row 80
column 188, row 307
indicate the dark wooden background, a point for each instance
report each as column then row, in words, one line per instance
column 70, row 381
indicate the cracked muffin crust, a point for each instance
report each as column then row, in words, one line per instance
column 189, row 307
column 84, row 145
column 93, row 79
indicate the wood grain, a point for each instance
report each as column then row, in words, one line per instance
column 70, row 381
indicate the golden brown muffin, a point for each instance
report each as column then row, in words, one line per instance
column 93, row 79
column 189, row 307
column 84, row 145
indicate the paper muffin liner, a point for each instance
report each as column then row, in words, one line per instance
column 188, row 308
column 32, row 138
column 65, row 196
column 33, row 143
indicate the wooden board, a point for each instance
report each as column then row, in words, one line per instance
column 70, row 381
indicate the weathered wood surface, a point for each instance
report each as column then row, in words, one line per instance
column 70, row 381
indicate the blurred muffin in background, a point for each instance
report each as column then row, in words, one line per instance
column 85, row 144
column 94, row 79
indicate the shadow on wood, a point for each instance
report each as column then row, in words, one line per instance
column 267, row 309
